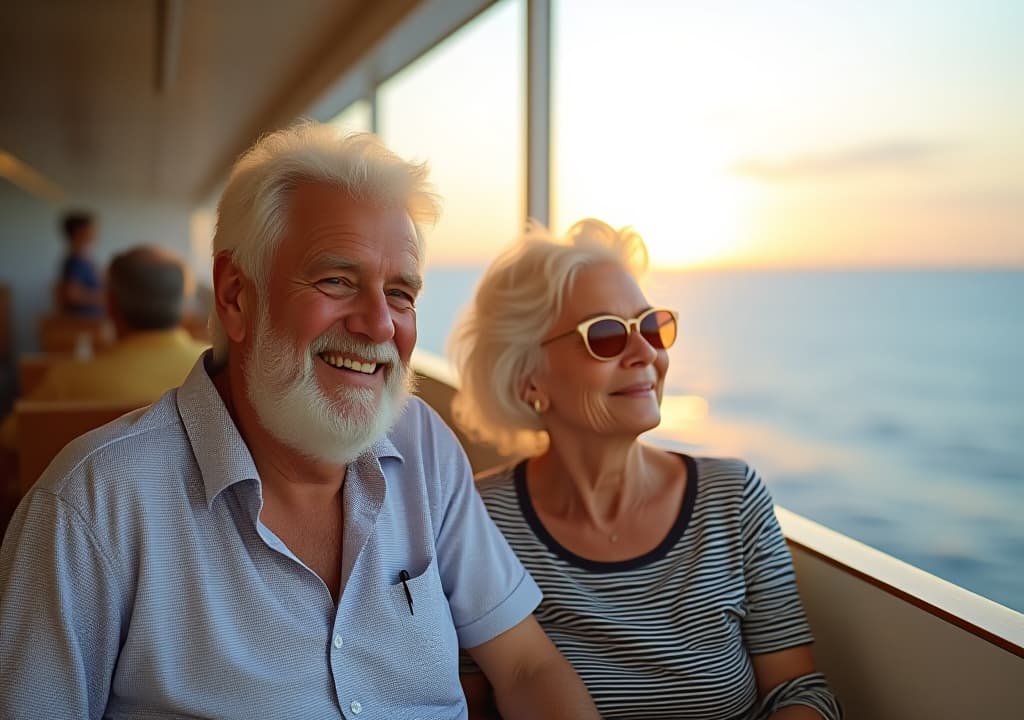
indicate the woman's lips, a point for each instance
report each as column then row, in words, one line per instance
column 635, row 389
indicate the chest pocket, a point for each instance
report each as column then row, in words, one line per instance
column 426, row 671
column 420, row 609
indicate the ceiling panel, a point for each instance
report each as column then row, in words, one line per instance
column 78, row 92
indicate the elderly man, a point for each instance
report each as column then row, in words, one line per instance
column 153, row 353
column 287, row 535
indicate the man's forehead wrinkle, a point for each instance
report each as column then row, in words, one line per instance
column 413, row 280
column 318, row 261
column 334, row 231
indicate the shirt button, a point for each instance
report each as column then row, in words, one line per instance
column 356, row 707
column 338, row 642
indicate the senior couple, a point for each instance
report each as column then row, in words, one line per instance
column 290, row 535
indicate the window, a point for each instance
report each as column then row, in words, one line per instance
column 460, row 108
column 832, row 195
column 354, row 118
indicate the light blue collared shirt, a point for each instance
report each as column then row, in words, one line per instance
column 137, row 580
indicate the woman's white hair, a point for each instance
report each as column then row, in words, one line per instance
column 253, row 209
column 496, row 345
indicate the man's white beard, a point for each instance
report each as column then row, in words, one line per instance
column 291, row 406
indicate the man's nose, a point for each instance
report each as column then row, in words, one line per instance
column 371, row 318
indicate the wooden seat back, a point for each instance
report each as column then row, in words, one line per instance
column 32, row 368
column 45, row 427
column 436, row 384
column 62, row 333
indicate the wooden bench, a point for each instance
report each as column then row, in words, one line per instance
column 436, row 386
column 45, row 427
column 32, row 368
column 62, row 333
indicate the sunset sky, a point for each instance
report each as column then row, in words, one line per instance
column 738, row 134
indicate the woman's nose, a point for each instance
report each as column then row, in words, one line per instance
column 638, row 350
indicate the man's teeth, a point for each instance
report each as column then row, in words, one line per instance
column 340, row 361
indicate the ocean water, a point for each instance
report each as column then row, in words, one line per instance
column 886, row 405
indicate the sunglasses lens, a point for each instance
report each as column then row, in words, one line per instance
column 607, row 338
column 659, row 329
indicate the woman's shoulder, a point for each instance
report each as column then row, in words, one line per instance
column 497, row 481
column 728, row 477
column 729, row 467
column 723, row 468
column 498, row 488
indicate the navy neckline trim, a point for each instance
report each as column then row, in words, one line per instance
column 674, row 534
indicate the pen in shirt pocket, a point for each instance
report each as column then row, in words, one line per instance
column 404, row 577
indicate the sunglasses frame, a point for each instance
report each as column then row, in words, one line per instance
column 629, row 323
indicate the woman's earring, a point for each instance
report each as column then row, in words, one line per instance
column 536, row 405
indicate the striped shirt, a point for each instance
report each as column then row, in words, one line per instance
column 670, row 634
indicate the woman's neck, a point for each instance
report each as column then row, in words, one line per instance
column 596, row 485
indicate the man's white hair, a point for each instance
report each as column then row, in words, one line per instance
column 253, row 209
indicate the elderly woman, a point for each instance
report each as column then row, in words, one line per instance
column 667, row 582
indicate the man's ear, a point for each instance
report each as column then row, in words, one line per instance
column 229, row 295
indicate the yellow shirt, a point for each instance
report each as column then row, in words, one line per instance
column 139, row 368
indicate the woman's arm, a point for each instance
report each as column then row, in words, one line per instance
column 775, row 669
column 479, row 696
column 775, row 629
column 531, row 679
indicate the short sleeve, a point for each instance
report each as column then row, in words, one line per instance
column 488, row 589
column 59, row 617
column 775, row 618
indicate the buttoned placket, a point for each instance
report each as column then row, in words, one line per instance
column 362, row 503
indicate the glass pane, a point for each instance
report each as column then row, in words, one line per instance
column 833, row 197
column 460, row 108
column 354, row 118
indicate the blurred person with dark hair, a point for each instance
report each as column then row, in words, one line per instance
column 80, row 288
column 153, row 353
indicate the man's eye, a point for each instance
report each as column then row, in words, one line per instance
column 403, row 296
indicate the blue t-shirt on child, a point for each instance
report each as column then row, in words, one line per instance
column 82, row 271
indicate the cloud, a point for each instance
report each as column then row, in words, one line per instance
column 886, row 155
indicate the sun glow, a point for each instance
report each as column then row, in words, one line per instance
column 719, row 142
column 688, row 207
column 703, row 227
column 632, row 148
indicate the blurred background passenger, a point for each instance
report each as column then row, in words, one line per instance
column 153, row 353
column 80, row 288
column 667, row 581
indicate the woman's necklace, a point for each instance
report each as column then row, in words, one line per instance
column 639, row 507
column 611, row 532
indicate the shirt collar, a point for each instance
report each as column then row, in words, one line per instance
column 223, row 457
